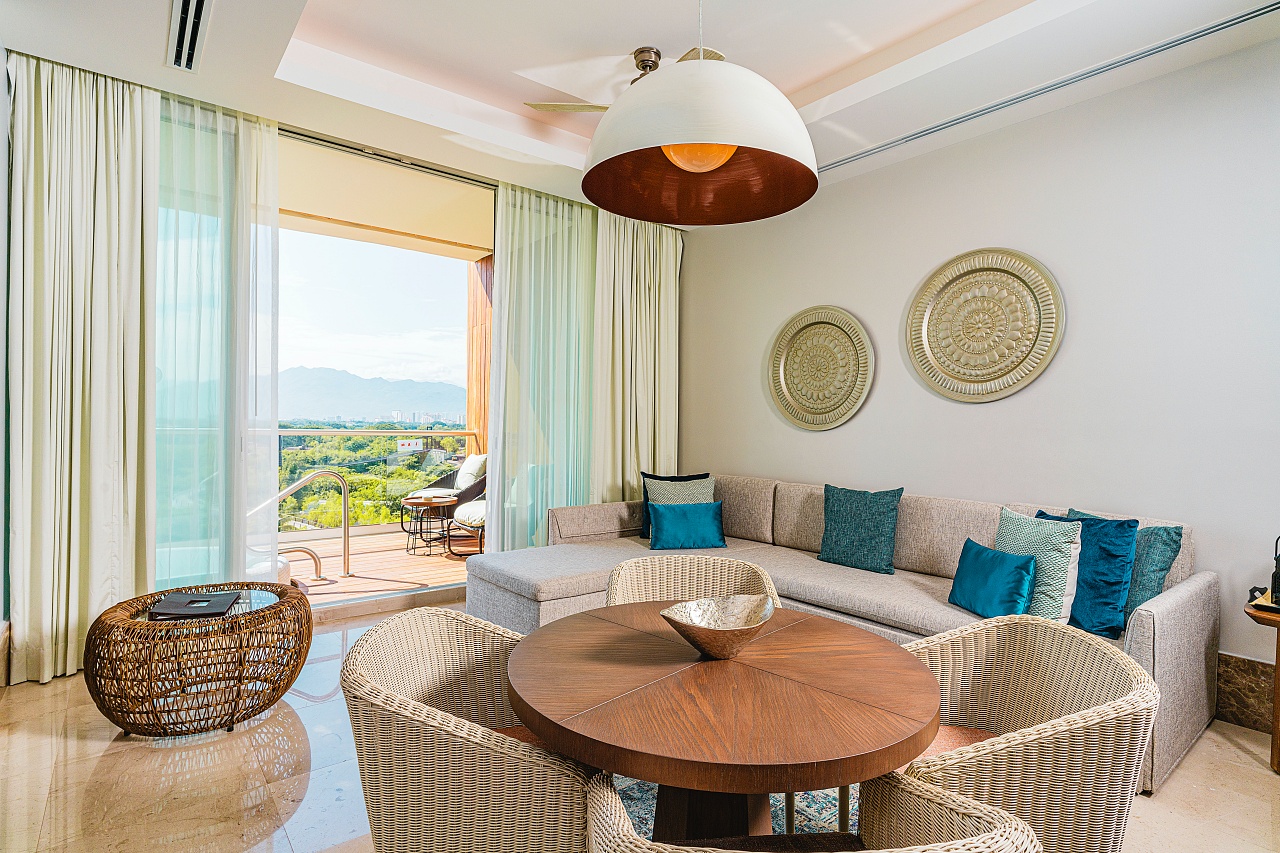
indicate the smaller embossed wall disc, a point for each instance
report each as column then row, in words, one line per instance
column 984, row 325
column 821, row 367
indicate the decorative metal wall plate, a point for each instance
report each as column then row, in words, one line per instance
column 821, row 368
column 984, row 325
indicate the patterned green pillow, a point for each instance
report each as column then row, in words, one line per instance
column 860, row 528
column 699, row 489
column 1056, row 547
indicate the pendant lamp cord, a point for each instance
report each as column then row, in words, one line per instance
column 700, row 51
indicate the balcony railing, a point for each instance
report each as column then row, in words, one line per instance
column 380, row 472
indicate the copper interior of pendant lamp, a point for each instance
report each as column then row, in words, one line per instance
column 751, row 184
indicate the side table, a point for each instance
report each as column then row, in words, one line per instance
column 427, row 523
column 1271, row 620
column 187, row 676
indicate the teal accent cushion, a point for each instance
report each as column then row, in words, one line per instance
column 992, row 583
column 686, row 526
column 1106, row 567
column 673, row 489
column 1056, row 547
column 1156, row 549
column 860, row 528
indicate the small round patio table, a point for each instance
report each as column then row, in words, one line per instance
column 810, row 703
column 427, row 523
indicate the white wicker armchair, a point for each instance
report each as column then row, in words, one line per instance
column 686, row 576
column 425, row 690
column 897, row 814
column 1073, row 715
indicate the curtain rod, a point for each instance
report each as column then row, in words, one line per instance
column 385, row 157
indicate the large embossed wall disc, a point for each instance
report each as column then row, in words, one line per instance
column 821, row 368
column 984, row 325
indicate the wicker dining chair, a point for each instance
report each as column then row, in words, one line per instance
column 425, row 690
column 1072, row 715
column 686, row 576
column 897, row 814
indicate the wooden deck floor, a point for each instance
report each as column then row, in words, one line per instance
column 379, row 566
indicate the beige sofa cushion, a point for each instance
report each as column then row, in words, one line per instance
column 931, row 532
column 748, row 506
column 910, row 601
column 798, row 516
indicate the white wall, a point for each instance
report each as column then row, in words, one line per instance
column 1156, row 207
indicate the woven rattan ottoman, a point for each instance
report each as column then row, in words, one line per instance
column 187, row 676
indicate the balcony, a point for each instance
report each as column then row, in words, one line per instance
column 381, row 467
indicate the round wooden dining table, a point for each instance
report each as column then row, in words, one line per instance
column 810, row 703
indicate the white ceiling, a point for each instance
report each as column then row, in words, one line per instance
column 445, row 81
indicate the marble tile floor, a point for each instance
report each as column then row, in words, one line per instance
column 289, row 782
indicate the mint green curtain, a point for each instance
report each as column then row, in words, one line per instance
column 541, row 369
column 216, row 445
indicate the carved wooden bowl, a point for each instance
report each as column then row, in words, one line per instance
column 720, row 627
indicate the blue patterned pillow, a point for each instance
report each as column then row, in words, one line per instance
column 860, row 528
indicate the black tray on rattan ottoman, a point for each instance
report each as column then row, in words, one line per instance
column 188, row 676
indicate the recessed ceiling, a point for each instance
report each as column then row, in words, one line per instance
column 503, row 53
column 445, row 82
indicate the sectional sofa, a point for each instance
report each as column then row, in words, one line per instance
column 778, row 526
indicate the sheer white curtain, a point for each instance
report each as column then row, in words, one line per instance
column 637, row 355
column 541, row 364
column 82, row 230
column 215, row 326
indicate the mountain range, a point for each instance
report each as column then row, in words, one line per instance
column 321, row 393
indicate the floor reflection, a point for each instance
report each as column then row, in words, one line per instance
column 198, row 793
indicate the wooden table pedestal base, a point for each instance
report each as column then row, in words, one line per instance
column 683, row 815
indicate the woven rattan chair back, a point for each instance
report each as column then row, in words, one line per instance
column 897, row 814
column 684, row 577
column 425, row 690
column 1074, row 715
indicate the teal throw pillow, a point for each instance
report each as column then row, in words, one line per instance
column 992, row 583
column 1106, row 567
column 686, row 526
column 674, row 489
column 1156, row 549
column 1056, row 547
column 860, row 528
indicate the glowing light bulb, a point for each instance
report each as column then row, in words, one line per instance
column 699, row 156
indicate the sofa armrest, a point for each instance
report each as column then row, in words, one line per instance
column 1174, row 637
column 594, row 521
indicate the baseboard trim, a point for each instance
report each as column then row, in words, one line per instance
column 1244, row 692
column 393, row 603
column 4, row 654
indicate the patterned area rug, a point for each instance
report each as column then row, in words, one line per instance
column 816, row 811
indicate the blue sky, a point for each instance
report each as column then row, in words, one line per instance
column 372, row 310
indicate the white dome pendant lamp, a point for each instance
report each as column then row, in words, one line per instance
column 700, row 142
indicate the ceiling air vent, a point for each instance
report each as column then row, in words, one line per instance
column 186, row 33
